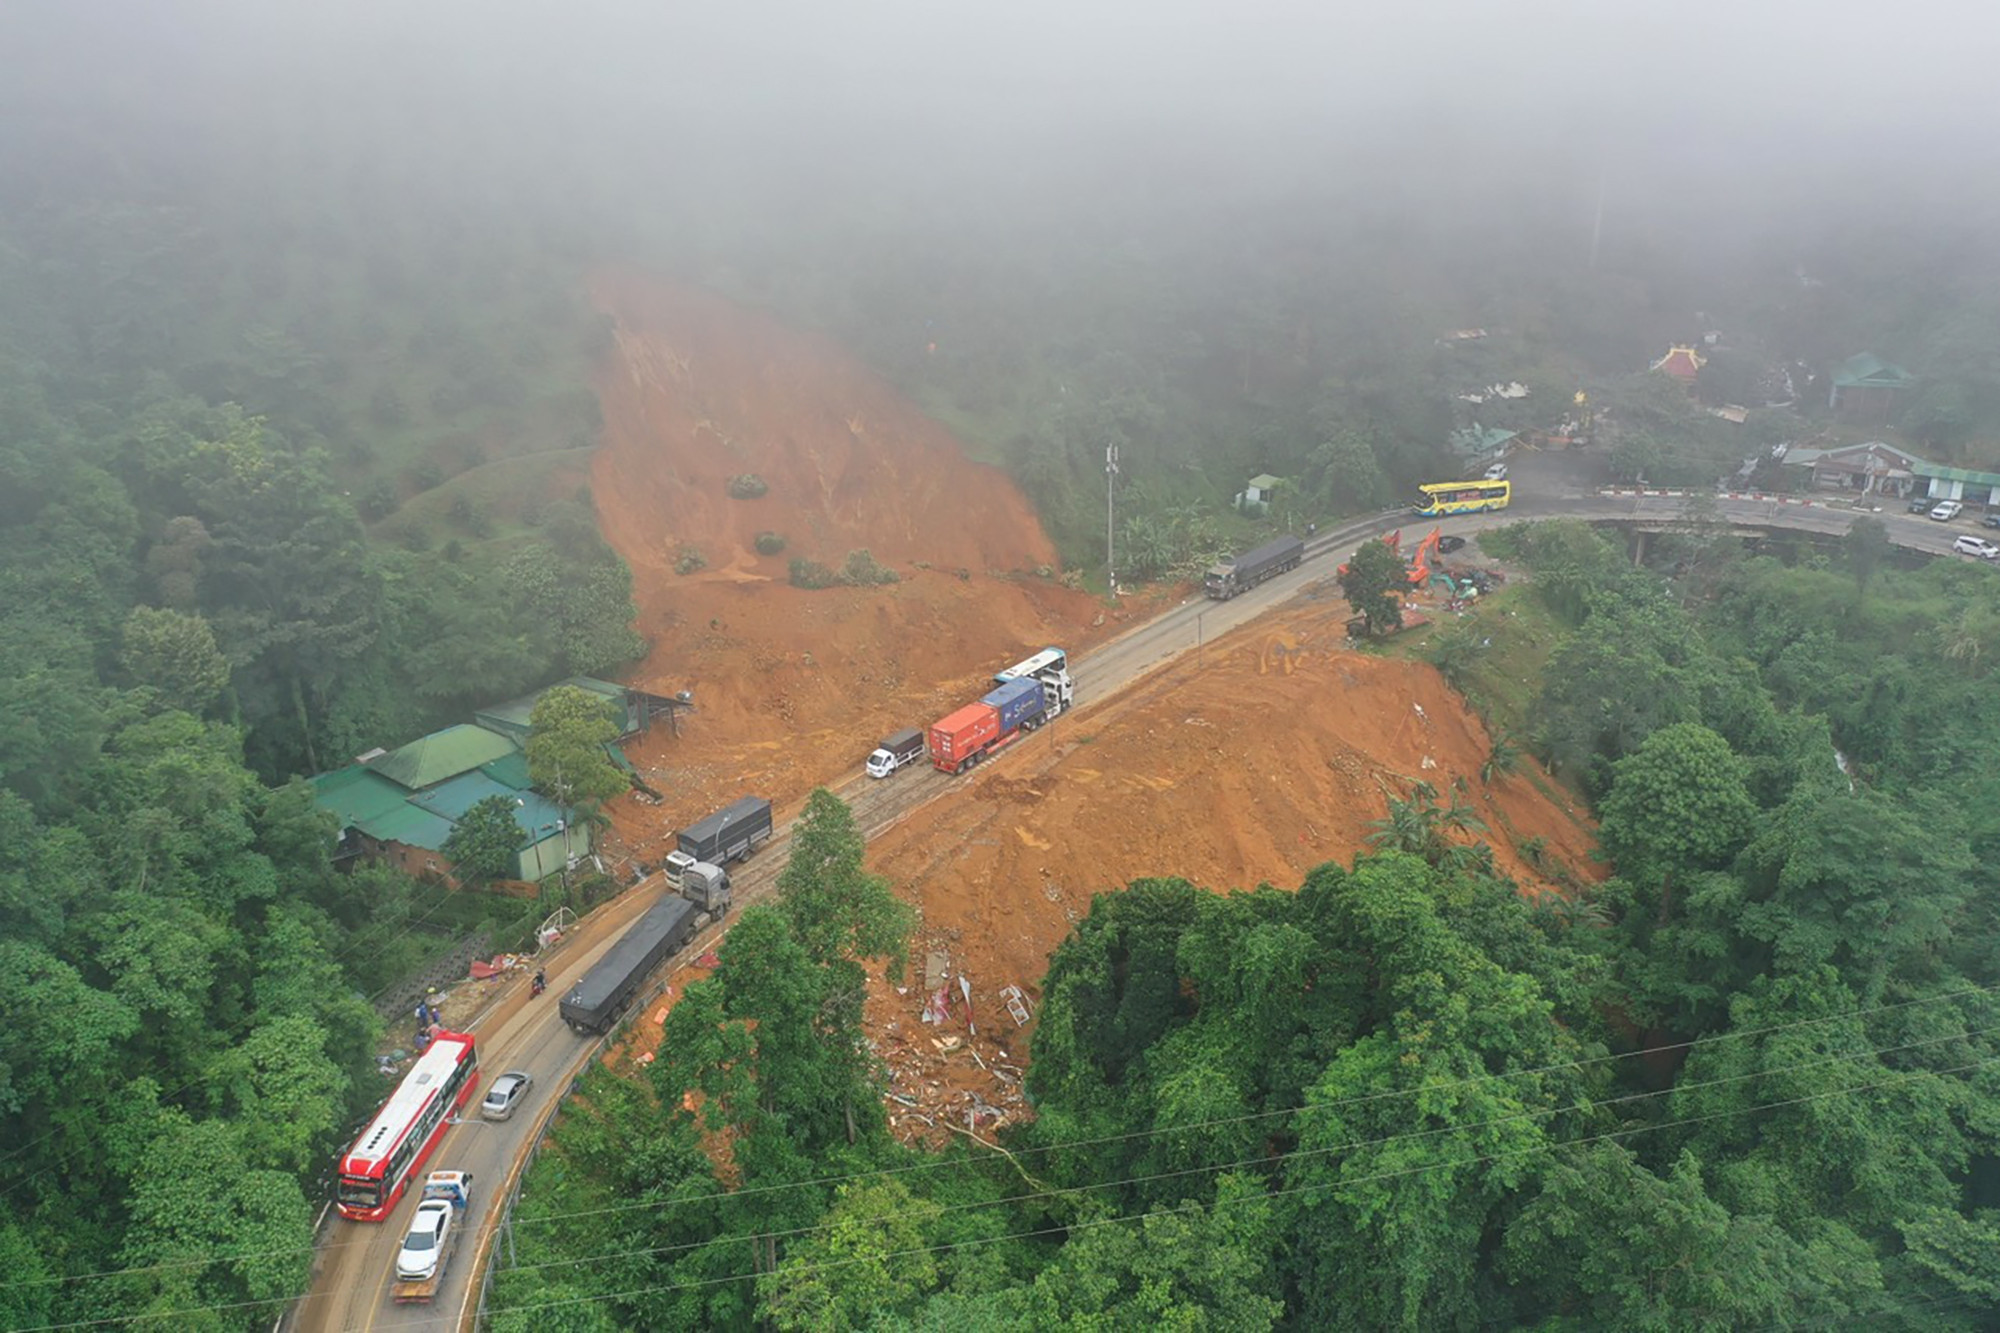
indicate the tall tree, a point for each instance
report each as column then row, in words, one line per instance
column 1374, row 582
column 567, row 732
column 485, row 842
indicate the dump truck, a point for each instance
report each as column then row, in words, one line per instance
column 961, row 739
column 433, row 1235
column 1240, row 573
column 603, row 993
column 897, row 749
column 730, row 834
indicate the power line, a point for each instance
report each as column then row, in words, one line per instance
column 1297, row 1154
column 1192, row 1126
column 1091, row 1223
column 1271, row 1194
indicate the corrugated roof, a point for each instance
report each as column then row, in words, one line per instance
column 1867, row 370
column 357, row 795
column 512, row 717
column 1264, row 481
column 1476, row 440
column 509, row 770
column 441, row 755
column 537, row 816
column 408, row 824
column 1957, row 474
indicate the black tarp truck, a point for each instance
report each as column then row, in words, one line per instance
column 1244, row 572
column 730, row 834
column 594, row 1003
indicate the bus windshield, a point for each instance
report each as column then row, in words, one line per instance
column 366, row 1193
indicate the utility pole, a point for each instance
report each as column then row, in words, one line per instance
column 1110, row 526
column 1597, row 222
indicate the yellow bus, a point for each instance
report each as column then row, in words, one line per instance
column 1462, row 497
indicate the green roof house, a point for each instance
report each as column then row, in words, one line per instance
column 1476, row 443
column 1865, row 388
column 635, row 706
column 402, row 805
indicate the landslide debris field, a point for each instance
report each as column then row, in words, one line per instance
column 1269, row 755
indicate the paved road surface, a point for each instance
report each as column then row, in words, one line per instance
column 351, row 1287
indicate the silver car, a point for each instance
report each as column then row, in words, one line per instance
column 508, row 1092
column 1948, row 511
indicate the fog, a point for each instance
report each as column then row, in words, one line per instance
column 1743, row 106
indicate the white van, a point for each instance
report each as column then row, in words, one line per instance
column 1968, row 544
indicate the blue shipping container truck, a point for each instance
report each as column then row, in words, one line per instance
column 1019, row 703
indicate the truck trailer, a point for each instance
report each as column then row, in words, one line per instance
column 600, row 995
column 433, row 1235
column 730, row 834
column 897, row 749
column 961, row 739
column 1243, row 572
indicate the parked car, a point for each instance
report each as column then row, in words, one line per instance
column 1991, row 520
column 1979, row 546
column 1920, row 504
column 1948, row 511
column 1498, row 472
column 506, row 1094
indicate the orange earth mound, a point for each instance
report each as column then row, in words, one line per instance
column 1270, row 756
column 793, row 686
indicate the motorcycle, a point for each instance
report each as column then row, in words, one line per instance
column 537, row 985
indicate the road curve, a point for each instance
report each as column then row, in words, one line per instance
column 350, row 1290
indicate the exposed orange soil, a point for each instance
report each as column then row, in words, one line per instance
column 793, row 687
column 1270, row 757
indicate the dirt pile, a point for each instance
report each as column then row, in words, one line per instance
column 794, row 686
column 1272, row 755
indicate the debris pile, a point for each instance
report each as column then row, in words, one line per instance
column 954, row 1068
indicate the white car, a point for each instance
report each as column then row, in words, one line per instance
column 1498, row 472
column 1948, row 511
column 424, row 1246
column 1979, row 546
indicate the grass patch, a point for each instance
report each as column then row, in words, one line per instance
column 1494, row 656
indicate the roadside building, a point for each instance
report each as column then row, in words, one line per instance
column 1257, row 494
column 1874, row 468
column 1966, row 485
column 1476, row 446
column 1866, row 389
column 399, row 806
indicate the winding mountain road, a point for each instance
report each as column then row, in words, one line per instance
column 350, row 1290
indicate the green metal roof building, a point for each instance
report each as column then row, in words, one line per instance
column 402, row 805
column 1865, row 387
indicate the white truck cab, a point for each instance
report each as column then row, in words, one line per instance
column 902, row 747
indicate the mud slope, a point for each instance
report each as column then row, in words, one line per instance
column 1272, row 755
column 793, row 686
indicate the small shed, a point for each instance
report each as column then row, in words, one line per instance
column 1866, row 388
column 1258, row 493
column 1478, row 444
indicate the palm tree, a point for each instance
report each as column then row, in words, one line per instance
column 1501, row 758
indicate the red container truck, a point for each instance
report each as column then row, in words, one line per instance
column 957, row 740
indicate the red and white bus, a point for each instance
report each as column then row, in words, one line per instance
column 392, row 1149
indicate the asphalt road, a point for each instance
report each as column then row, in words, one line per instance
column 353, row 1272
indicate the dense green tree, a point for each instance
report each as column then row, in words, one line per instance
column 485, row 843
column 1374, row 582
column 175, row 655
column 1679, row 803
column 567, row 732
column 869, row 1255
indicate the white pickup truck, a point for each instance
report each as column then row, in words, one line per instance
column 433, row 1234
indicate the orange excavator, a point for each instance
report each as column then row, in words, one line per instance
column 1422, row 558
